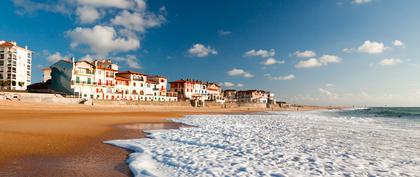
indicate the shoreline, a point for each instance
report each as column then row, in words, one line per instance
column 68, row 139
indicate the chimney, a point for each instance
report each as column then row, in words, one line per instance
column 72, row 59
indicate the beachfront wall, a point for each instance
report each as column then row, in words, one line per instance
column 61, row 75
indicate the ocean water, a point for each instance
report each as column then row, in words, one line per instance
column 363, row 142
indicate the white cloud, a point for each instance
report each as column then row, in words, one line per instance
column 138, row 21
column 199, row 50
column 116, row 24
column 390, row 62
column 260, row 53
column 305, row 54
column 130, row 60
column 361, row 1
column 103, row 39
column 325, row 59
column 55, row 57
column 310, row 63
column 398, row 43
column 231, row 84
column 348, row 50
column 88, row 57
column 329, row 85
column 28, row 6
column 272, row 61
column 372, row 47
column 369, row 47
column 328, row 93
column 87, row 14
column 122, row 4
column 239, row 72
column 281, row 78
column 228, row 84
column 224, row 33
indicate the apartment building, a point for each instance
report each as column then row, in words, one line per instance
column 15, row 66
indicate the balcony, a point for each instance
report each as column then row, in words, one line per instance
column 84, row 73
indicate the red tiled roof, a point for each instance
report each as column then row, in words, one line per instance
column 121, row 78
column 150, row 81
column 7, row 44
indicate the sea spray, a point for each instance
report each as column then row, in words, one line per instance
column 279, row 144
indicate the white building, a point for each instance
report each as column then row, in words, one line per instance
column 15, row 66
column 83, row 79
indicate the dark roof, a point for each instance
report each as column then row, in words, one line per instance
column 229, row 90
column 131, row 72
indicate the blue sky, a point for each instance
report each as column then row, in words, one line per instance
column 327, row 52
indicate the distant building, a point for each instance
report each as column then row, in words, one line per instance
column 197, row 90
column 214, row 92
column 15, row 66
column 46, row 74
column 230, row 96
column 184, row 89
column 252, row 96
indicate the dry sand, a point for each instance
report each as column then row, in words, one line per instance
column 38, row 139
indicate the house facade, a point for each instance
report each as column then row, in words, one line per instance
column 230, row 96
column 253, row 96
column 197, row 90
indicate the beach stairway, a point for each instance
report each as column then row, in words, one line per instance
column 83, row 101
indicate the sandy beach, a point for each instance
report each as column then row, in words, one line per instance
column 68, row 139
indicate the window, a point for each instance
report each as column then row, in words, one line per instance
column 77, row 79
column 89, row 81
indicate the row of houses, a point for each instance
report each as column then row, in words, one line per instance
column 102, row 80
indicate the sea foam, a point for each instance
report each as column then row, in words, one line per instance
column 279, row 144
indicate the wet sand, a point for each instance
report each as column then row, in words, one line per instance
column 38, row 139
column 96, row 159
